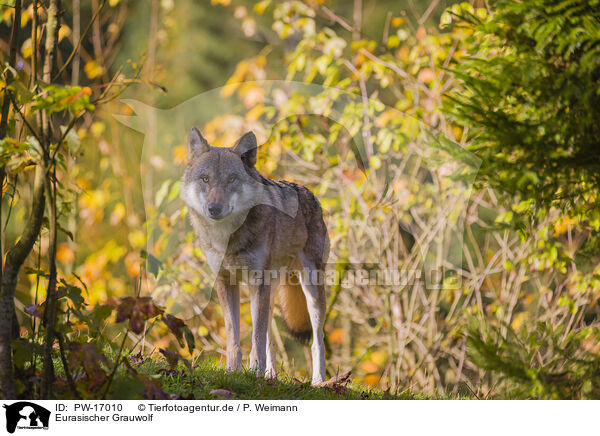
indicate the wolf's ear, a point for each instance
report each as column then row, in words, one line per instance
column 245, row 148
column 196, row 143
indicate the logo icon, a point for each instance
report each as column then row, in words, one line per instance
column 26, row 415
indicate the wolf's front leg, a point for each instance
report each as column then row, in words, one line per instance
column 260, row 308
column 229, row 297
column 271, row 371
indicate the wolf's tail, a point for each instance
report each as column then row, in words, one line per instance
column 295, row 312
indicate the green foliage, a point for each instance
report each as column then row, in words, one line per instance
column 546, row 362
column 57, row 98
column 12, row 154
column 533, row 103
column 528, row 97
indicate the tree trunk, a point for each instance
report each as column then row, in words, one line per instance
column 14, row 259
column 8, row 321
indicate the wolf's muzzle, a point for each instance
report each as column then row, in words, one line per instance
column 215, row 209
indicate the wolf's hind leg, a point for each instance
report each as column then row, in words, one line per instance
column 311, row 279
column 229, row 298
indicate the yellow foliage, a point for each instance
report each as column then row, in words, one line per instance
column 378, row 358
column 180, row 154
column 369, row 367
column 137, row 238
column 337, row 336
column 117, row 214
column 97, row 128
column 375, row 162
column 255, row 113
column 63, row 32
column 26, row 48
column 64, row 253
column 25, row 19
column 132, row 264
column 562, row 225
column 93, row 69
column 371, row 380
column 398, row 21
column 518, row 320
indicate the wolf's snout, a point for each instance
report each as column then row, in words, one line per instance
column 214, row 209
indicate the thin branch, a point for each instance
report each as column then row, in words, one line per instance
column 428, row 12
column 386, row 27
column 64, row 135
column 357, row 17
column 34, row 44
column 85, row 32
column 53, row 26
column 76, row 37
column 336, row 18
column 12, row 57
column 63, row 358
column 126, row 84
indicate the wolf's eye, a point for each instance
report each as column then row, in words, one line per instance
column 204, row 179
column 231, row 179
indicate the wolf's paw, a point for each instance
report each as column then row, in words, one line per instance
column 271, row 373
column 233, row 365
column 257, row 367
column 316, row 381
column 233, row 359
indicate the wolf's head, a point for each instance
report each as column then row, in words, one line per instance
column 218, row 181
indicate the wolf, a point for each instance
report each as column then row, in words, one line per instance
column 247, row 222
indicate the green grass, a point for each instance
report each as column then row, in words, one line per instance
column 208, row 376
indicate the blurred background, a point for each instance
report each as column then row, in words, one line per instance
column 517, row 295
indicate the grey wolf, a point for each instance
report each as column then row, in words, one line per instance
column 245, row 221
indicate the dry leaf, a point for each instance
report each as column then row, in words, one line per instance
column 338, row 383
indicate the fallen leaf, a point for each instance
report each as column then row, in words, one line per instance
column 153, row 389
column 338, row 383
column 89, row 358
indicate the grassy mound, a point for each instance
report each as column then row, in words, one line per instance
column 209, row 380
